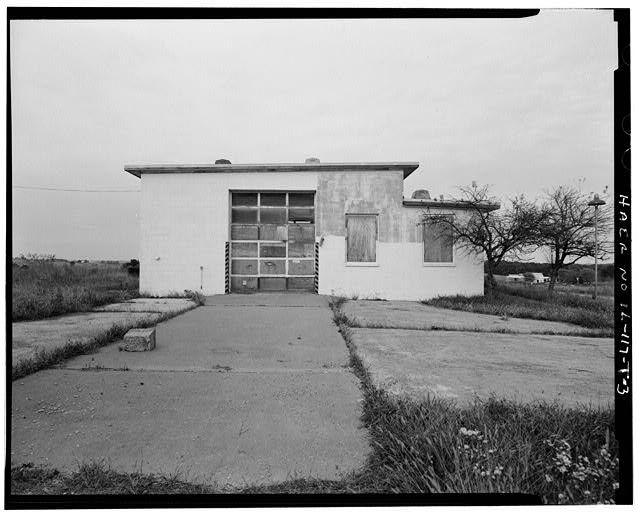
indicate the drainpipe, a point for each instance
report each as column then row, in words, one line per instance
column 201, row 270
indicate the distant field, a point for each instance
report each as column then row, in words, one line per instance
column 570, row 304
column 44, row 288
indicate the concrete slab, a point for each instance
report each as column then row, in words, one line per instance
column 234, row 337
column 47, row 334
column 459, row 365
column 231, row 394
column 414, row 315
column 228, row 428
column 165, row 305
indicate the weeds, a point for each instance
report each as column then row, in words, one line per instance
column 47, row 357
column 435, row 446
column 560, row 455
column 534, row 304
column 42, row 288
column 98, row 478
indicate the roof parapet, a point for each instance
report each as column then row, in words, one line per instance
column 451, row 204
column 137, row 170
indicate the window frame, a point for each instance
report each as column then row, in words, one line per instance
column 438, row 264
column 347, row 262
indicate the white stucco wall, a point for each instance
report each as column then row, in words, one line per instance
column 184, row 224
column 399, row 275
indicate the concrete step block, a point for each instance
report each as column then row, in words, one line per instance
column 139, row 340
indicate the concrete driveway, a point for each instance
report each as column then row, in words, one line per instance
column 246, row 389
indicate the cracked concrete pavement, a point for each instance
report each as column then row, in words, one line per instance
column 459, row 363
column 247, row 389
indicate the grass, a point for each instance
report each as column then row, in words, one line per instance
column 533, row 303
column 45, row 358
column 42, row 288
column 560, row 455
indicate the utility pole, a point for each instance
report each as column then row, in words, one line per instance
column 595, row 203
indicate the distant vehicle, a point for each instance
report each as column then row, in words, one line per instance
column 515, row 278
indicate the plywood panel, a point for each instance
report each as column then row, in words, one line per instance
column 273, row 267
column 361, row 238
column 273, row 249
column 244, row 284
column 438, row 246
column 244, row 267
column 300, row 267
column 302, row 233
column 244, row 249
column 273, row 232
column 244, row 232
column 300, row 283
column 300, row 249
column 272, row 284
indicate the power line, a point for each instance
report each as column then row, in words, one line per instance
column 76, row 190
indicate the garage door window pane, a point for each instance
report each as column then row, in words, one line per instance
column 244, row 249
column 244, row 215
column 361, row 238
column 438, row 244
column 273, row 216
column 248, row 199
column 300, row 199
column 273, row 199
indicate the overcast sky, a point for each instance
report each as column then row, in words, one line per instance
column 522, row 104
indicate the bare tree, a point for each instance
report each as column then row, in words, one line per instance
column 487, row 229
column 568, row 229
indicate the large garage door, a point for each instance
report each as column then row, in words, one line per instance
column 272, row 241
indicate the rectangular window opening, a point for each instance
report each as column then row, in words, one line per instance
column 437, row 243
column 362, row 235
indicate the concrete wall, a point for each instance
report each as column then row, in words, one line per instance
column 399, row 273
column 185, row 224
column 184, row 221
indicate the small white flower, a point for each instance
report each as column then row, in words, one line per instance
column 587, row 493
column 548, row 478
column 616, row 485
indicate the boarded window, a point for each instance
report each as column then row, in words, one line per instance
column 362, row 232
column 438, row 243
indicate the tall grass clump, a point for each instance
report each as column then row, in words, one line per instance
column 534, row 304
column 44, row 288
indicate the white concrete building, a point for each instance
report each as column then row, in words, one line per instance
column 329, row 228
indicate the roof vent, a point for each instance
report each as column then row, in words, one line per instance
column 223, row 161
column 309, row 160
column 421, row 194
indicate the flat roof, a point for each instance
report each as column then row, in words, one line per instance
column 450, row 204
column 137, row 170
